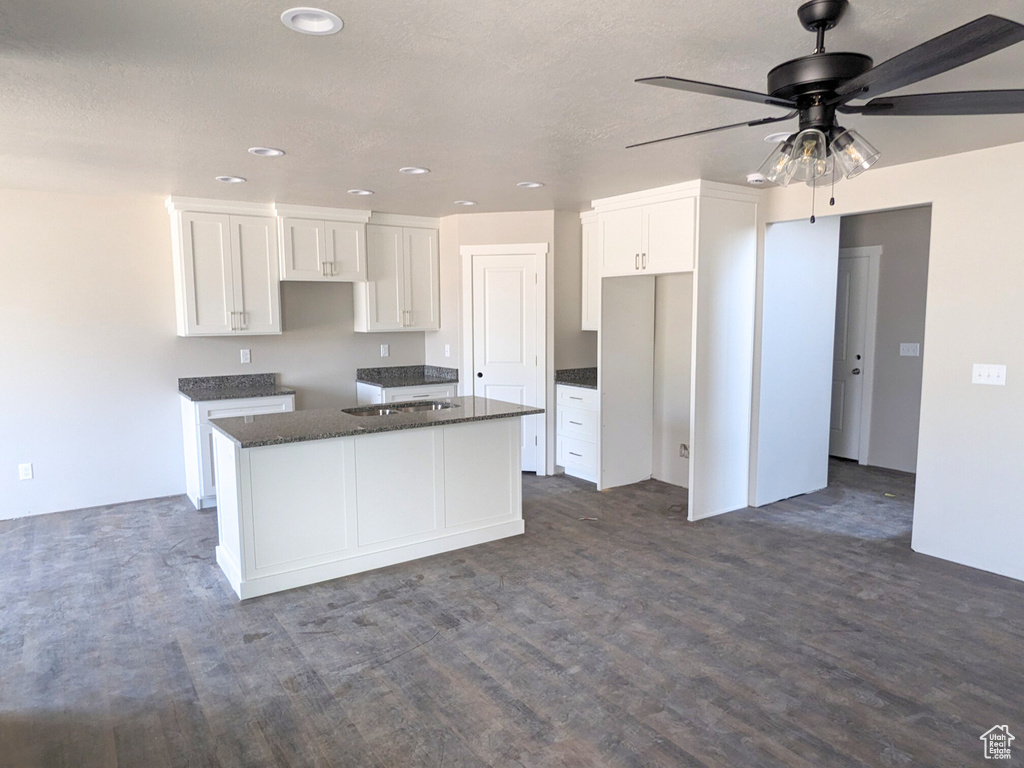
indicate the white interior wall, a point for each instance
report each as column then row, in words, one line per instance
column 91, row 359
column 673, row 342
column 896, row 403
column 574, row 347
column 797, row 335
column 969, row 484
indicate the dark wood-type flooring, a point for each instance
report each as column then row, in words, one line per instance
column 803, row 634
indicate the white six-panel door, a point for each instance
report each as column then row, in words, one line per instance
column 849, row 363
column 505, row 349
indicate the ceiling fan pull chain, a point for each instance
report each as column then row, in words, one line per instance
column 813, row 191
column 832, row 200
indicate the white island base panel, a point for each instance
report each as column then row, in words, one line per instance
column 305, row 512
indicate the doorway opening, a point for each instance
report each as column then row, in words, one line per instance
column 841, row 348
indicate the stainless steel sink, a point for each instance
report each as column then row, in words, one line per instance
column 418, row 406
column 371, row 410
column 424, row 405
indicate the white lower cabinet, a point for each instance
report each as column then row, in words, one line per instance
column 200, row 477
column 577, row 430
column 370, row 394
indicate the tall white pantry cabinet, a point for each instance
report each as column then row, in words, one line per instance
column 707, row 231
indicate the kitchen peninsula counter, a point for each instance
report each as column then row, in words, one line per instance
column 310, row 496
column 327, row 423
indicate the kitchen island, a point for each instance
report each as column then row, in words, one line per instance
column 308, row 496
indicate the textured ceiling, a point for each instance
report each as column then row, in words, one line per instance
column 153, row 97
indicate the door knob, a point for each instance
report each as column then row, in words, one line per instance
column 855, row 371
column 479, row 375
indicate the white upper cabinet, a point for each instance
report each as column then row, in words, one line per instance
column 591, row 296
column 225, row 268
column 322, row 244
column 653, row 238
column 402, row 288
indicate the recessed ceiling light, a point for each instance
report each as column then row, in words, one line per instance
column 414, row 170
column 362, row 192
column 230, row 179
column 465, row 202
column 529, row 184
column 265, row 151
column 312, row 21
column 775, row 138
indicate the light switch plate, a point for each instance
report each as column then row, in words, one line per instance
column 447, row 350
column 246, row 356
column 24, row 471
column 384, row 350
column 910, row 349
column 987, row 373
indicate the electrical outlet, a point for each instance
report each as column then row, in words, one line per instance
column 384, row 350
column 910, row 349
column 989, row 374
column 684, row 451
column 246, row 357
column 447, row 350
column 24, row 471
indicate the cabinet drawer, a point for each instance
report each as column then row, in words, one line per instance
column 578, row 397
column 252, row 406
column 577, row 422
column 577, row 453
column 431, row 392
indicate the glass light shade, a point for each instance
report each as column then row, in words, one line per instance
column 826, row 179
column 853, row 153
column 809, row 156
column 775, row 168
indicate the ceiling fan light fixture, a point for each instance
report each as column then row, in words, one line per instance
column 809, row 156
column 776, row 166
column 853, row 152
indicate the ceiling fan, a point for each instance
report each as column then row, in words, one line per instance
column 815, row 88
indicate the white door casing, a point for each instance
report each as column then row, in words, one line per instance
column 504, row 324
column 853, row 353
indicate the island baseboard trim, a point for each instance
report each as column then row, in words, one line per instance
column 265, row 585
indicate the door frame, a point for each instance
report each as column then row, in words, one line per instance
column 545, row 458
column 874, row 255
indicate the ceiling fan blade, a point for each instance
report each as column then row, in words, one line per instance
column 762, row 121
column 960, row 46
column 710, row 89
column 952, row 103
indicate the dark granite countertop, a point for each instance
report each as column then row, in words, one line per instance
column 407, row 375
column 577, row 377
column 231, row 387
column 325, row 423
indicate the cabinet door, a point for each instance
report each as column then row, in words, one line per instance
column 207, row 274
column 303, row 245
column 346, row 251
column 669, row 236
column 257, row 284
column 384, row 284
column 422, row 284
column 619, row 240
column 591, row 318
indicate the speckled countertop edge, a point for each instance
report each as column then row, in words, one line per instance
column 407, row 376
column 328, row 423
column 202, row 388
column 577, row 377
